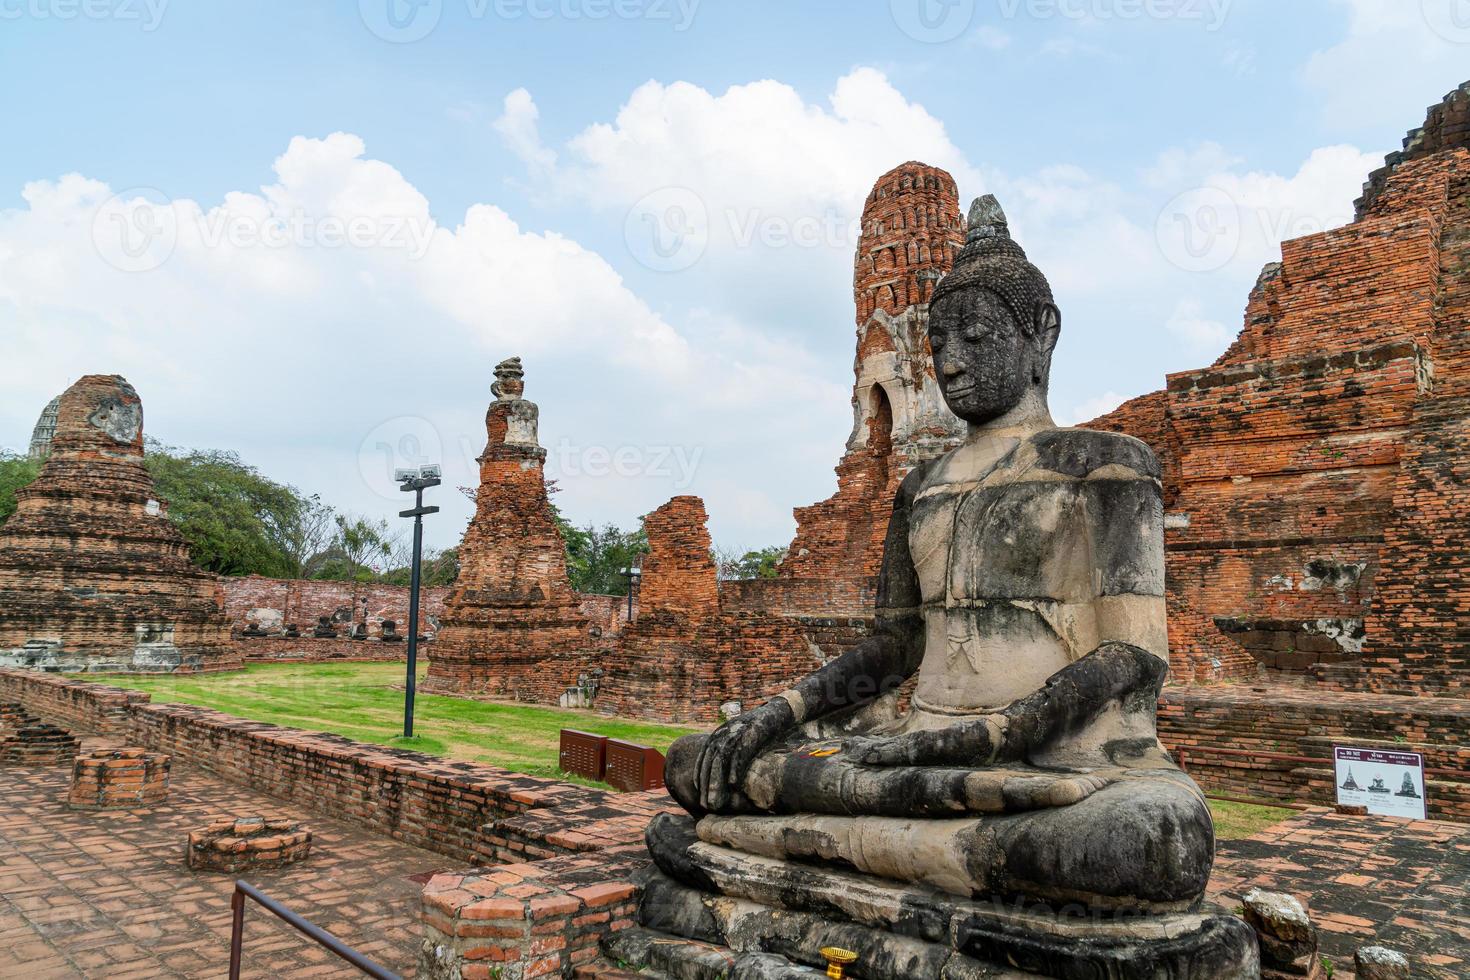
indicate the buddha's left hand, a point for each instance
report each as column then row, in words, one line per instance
column 970, row 744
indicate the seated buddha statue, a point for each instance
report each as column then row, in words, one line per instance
column 1020, row 774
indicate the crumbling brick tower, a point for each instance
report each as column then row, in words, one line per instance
column 512, row 626
column 912, row 230
column 1317, row 476
column 93, row 576
column 688, row 653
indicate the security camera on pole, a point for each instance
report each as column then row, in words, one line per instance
column 415, row 482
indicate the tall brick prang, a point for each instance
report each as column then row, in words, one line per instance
column 93, row 576
column 912, row 230
column 512, row 626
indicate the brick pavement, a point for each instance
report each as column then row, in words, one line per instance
column 1366, row 880
column 94, row 894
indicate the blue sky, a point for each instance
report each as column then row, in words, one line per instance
column 496, row 178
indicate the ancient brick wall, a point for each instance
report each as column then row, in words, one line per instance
column 512, row 627
column 1315, row 474
column 686, row 654
column 272, row 604
column 93, row 576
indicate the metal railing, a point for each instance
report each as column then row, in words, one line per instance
column 321, row 937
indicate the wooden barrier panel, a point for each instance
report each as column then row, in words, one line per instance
column 583, row 754
column 633, row 768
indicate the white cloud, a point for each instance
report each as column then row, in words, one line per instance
column 1203, row 335
column 1398, row 57
column 1093, row 407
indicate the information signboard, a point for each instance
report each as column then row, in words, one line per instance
column 1389, row 784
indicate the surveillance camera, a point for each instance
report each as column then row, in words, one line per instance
column 431, row 472
column 401, row 476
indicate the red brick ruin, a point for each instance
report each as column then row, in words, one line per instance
column 92, row 574
column 912, row 231
column 1316, row 474
column 512, row 626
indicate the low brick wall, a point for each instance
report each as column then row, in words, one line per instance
column 78, row 704
column 310, row 649
column 1303, row 721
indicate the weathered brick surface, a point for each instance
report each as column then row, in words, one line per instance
column 37, row 743
column 248, row 844
column 93, row 576
column 685, row 654
column 1302, row 722
column 912, row 231
column 272, row 604
column 117, row 779
column 1316, row 474
column 474, row 813
column 512, row 626
column 83, row 705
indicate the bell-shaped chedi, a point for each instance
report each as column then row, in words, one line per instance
column 512, row 627
column 912, row 230
column 93, row 576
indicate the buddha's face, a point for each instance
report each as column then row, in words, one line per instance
column 983, row 357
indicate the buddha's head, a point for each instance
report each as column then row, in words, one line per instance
column 992, row 323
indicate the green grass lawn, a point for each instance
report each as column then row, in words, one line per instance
column 357, row 700
column 1236, row 820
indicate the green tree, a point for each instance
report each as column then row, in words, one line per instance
column 437, row 567
column 236, row 521
column 597, row 556
column 359, row 550
column 16, row 473
column 762, row 563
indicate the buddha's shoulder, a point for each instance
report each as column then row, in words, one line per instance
column 1082, row 453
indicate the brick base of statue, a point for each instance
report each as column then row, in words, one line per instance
column 233, row 845
column 118, row 779
column 30, row 742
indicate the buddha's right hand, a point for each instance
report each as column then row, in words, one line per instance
column 730, row 750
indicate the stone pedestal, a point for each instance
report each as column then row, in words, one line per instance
column 118, row 779
column 1287, row 936
column 232, row 845
column 37, row 743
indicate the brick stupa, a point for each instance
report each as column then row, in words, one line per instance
column 512, row 627
column 912, row 230
column 93, row 576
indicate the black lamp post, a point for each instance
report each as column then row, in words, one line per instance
column 632, row 574
column 415, row 482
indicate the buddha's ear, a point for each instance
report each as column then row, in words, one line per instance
column 1048, row 324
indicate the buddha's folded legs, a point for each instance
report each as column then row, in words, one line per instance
column 1145, row 843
